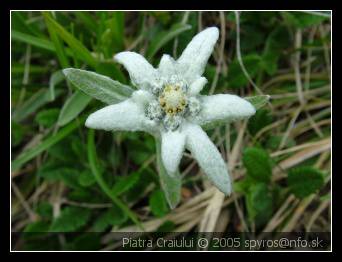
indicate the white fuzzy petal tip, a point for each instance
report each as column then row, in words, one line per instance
column 197, row 86
column 140, row 70
column 194, row 58
column 167, row 66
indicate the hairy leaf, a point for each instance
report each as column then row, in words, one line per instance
column 98, row 86
column 305, row 180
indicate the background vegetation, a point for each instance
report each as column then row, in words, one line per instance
column 280, row 159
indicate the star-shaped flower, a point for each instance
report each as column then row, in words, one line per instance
column 169, row 106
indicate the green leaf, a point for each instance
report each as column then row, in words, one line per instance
column 76, row 46
column 113, row 216
column 44, row 210
column 67, row 175
column 258, row 101
column 257, row 163
column 71, row 219
column 86, row 178
column 62, row 152
column 158, row 204
column 98, row 86
column 305, row 180
column 259, row 203
column 171, row 184
column 164, row 37
column 243, row 185
column 74, row 105
column 50, row 141
column 167, row 226
column 258, row 121
column 84, row 242
column 48, row 117
column 38, row 226
column 125, row 183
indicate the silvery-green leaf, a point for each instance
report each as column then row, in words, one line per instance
column 74, row 105
column 171, row 184
column 98, row 86
column 258, row 101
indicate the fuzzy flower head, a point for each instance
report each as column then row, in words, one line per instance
column 168, row 105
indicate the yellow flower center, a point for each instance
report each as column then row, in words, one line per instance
column 172, row 100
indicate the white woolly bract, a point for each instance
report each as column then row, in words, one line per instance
column 208, row 157
column 167, row 66
column 223, row 108
column 140, row 71
column 172, row 148
column 126, row 115
column 194, row 58
column 197, row 86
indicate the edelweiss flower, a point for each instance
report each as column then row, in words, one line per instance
column 169, row 106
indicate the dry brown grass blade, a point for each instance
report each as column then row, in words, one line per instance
column 302, row 156
column 212, row 212
column 325, row 204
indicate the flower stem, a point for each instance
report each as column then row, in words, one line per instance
column 92, row 158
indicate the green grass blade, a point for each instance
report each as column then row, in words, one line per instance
column 36, row 41
column 18, row 22
column 52, row 140
column 60, row 52
column 33, row 40
column 32, row 104
column 76, row 46
column 117, row 27
column 87, row 20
